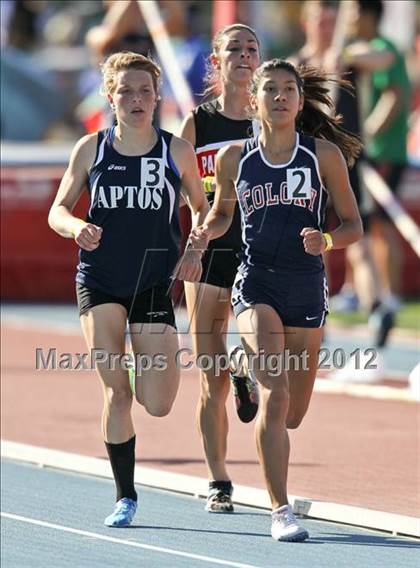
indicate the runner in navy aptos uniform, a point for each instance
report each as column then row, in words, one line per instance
column 281, row 180
column 129, row 247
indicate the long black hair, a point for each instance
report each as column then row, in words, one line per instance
column 313, row 120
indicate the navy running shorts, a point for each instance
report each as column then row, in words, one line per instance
column 151, row 306
column 300, row 300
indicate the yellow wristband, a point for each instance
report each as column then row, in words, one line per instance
column 208, row 183
column 328, row 241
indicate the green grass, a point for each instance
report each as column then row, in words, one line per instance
column 407, row 318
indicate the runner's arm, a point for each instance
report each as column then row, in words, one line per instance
column 60, row 217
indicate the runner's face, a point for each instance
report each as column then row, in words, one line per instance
column 134, row 97
column 278, row 100
column 238, row 57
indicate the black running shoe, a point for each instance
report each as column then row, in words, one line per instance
column 381, row 320
column 219, row 500
column 245, row 390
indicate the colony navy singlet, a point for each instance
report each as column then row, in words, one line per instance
column 277, row 202
column 135, row 199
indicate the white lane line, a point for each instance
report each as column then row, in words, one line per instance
column 126, row 542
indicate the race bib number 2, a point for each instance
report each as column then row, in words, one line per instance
column 299, row 183
column 152, row 172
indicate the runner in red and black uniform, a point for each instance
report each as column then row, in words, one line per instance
column 209, row 127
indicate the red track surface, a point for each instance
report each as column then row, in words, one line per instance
column 348, row 450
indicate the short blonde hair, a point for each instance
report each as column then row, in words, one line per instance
column 124, row 60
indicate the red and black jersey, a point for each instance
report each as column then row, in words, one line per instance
column 213, row 131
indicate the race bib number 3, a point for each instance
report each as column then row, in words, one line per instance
column 299, row 183
column 152, row 172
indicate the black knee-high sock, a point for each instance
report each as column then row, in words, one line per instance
column 122, row 458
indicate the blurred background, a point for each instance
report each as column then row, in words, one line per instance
column 50, row 96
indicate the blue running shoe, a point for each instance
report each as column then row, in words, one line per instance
column 123, row 514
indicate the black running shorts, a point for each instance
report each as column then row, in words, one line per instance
column 151, row 306
column 219, row 267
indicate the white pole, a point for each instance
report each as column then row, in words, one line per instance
column 340, row 34
column 384, row 196
column 167, row 56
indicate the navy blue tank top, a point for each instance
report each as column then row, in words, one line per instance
column 135, row 199
column 277, row 202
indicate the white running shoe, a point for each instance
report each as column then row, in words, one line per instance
column 284, row 525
